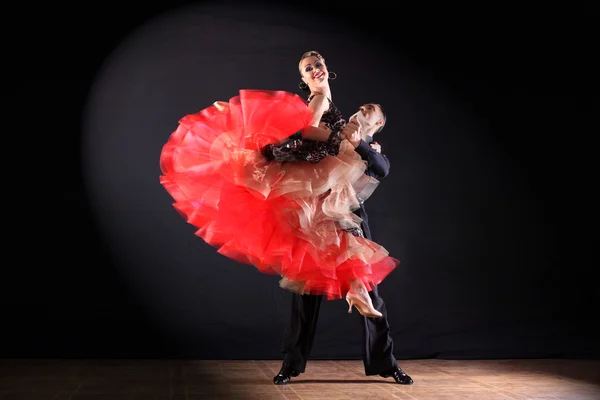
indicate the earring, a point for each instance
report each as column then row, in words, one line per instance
column 302, row 85
column 332, row 75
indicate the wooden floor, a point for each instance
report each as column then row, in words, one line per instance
column 191, row 379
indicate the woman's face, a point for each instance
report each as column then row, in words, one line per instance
column 314, row 72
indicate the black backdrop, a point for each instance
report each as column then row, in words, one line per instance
column 490, row 203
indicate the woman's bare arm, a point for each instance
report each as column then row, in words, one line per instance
column 318, row 104
column 316, row 133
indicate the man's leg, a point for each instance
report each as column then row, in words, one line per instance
column 299, row 336
column 379, row 347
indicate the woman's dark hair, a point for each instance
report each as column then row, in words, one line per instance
column 311, row 54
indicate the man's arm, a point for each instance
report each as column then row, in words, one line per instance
column 376, row 161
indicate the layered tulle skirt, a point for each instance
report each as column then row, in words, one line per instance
column 286, row 218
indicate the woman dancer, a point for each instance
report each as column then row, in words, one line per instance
column 285, row 208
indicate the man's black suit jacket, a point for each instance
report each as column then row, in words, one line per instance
column 378, row 166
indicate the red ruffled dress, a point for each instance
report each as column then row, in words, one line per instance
column 291, row 218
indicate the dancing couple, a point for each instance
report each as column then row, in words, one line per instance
column 279, row 182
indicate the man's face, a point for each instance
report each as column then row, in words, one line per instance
column 369, row 116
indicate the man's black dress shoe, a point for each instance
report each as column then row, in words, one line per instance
column 284, row 375
column 398, row 375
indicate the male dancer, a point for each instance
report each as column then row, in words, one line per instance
column 378, row 346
